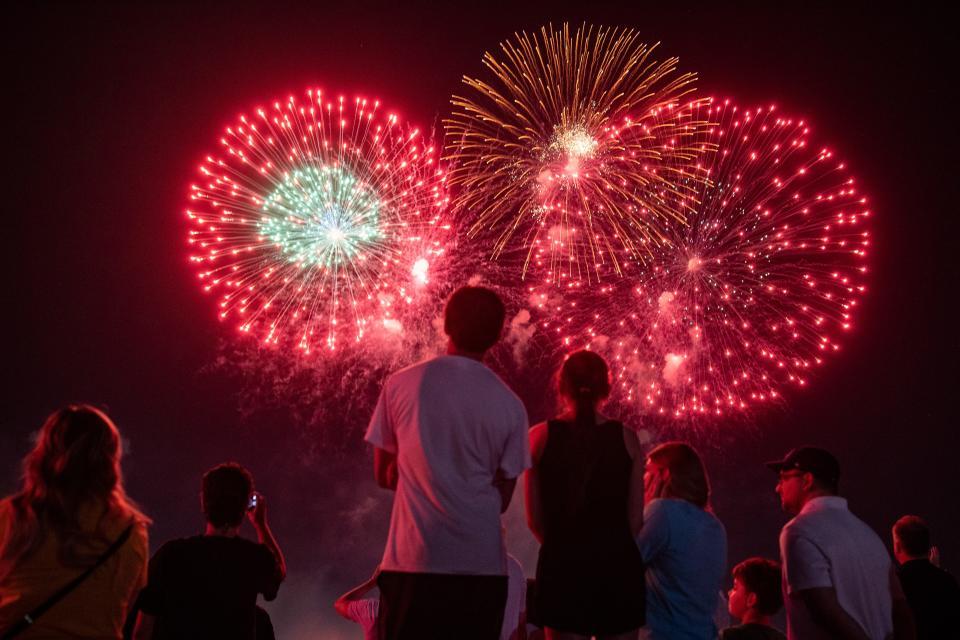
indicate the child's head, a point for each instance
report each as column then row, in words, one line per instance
column 756, row 587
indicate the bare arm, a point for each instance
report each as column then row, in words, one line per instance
column 538, row 440
column 385, row 468
column 635, row 497
column 258, row 518
column 505, row 486
column 356, row 593
column 144, row 628
column 826, row 611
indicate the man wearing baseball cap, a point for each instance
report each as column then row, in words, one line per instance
column 838, row 579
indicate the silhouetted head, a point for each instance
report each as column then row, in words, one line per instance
column 584, row 382
column 75, row 462
column 756, row 585
column 805, row 473
column 675, row 470
column 474, row 319
column 911, row 538
column 226, row 494
column 77, row 456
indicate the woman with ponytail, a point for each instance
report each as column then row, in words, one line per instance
column 71, row 515
column 584, row 498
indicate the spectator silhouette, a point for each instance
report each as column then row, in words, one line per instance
column 71, row 511
column 584, row 498
column 838, row 579
column 206, row 586
column 451, row 439
column 683, row 545
column 932, row 593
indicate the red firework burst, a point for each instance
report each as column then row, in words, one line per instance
column 319, row 219
column 746, row 298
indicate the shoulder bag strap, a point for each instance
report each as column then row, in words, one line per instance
column 24, row 623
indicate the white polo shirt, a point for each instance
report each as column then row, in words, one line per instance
column 827, row 546
column 452, row 424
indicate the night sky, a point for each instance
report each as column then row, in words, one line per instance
column 110, row 109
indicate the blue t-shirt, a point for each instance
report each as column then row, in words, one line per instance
column 685, row 550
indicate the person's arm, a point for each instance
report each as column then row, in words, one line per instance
column 145, row 626
column 538, row 440
column 655, row 533
column 515, row 456
column 520, row 633
column 385, row 469
column 903, row 623
column 635, row 496
column 343, row 602
column 506, row 487
column 806, row 571
column 258, row 518
column 380, row 434
column 827, row 613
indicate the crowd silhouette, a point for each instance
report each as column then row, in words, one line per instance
column 629, row 545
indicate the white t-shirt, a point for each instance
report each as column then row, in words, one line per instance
column 364, row 612
column 827, row 546
column 516, row 598
column 452, row 424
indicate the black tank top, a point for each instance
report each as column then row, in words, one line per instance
column 589, row 574
column 585, row 482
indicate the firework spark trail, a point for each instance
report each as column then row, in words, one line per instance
column 320, row 217
column 566, row 145
column 749, row 295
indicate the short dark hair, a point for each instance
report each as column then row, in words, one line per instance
column 913, row 534
column 226, row 493
column 474, row 318
column 761, row 577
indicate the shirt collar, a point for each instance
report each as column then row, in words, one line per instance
column 822, row 503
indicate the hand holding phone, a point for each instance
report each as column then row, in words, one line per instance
column 257, row 509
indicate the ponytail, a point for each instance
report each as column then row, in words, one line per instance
column 584, row 381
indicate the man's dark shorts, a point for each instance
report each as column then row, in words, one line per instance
column 428, row 606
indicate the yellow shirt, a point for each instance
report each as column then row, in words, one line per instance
column 98, row 607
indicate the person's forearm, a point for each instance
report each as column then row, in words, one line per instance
column 506, row 488
column 534, row 513
column 361, row 589
column 829, row 615
column 144, row 628
column 265, row 535
column 385, row 470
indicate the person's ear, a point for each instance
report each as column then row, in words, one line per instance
column 751, row 600
column 896, row 545
column 807, row 482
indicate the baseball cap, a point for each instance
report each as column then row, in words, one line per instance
column 814, row 460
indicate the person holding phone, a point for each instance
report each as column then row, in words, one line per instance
column 206, row 586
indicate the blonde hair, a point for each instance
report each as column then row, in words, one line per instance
column 76, row 460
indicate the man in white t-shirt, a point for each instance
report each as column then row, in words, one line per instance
column 838, row 579
column 451, row 439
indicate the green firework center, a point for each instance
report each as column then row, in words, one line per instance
column 323, row 215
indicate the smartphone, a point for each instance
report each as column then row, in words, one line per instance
column 253, row 502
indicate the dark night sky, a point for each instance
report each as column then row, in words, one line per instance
column 110, row 109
